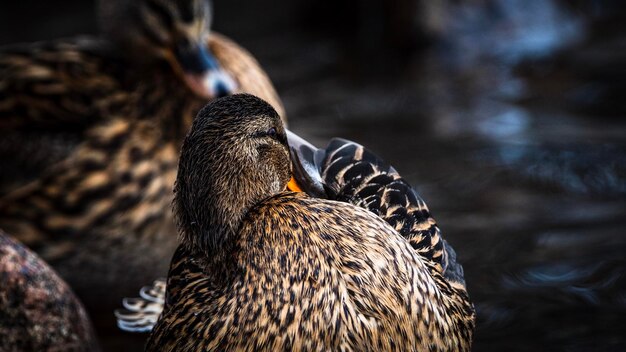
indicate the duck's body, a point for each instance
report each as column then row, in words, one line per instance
column 312, row 274
column 89, row 151
column 38, row 311
column 259, row 268
column 347, row 172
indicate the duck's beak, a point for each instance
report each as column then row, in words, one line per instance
column 201, row 71
column 293, row 185
column 307, row 165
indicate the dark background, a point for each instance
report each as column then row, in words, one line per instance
column 508, row 116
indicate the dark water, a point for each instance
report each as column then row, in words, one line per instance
column 507, row 116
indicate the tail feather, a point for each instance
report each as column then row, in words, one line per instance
column 141, row 314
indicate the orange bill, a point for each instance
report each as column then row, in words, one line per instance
column 293, row 185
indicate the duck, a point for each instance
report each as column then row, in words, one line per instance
column 260, row 267
column 91, row 128
column 38, row 310
column 343, row 171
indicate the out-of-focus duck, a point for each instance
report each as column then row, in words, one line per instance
column 260, row 267
column 38, row 311
column 91, row 129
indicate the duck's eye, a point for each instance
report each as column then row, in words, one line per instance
column 272, row 133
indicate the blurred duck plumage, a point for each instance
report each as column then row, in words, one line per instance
column 91, row 129
column 260, row 267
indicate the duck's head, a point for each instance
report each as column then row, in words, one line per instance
column 234, row 156
column 175, row 31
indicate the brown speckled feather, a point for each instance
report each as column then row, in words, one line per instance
column 52, row 94
column 259, row 268
column 38, row 311
column 310, row 274
column 348, row 172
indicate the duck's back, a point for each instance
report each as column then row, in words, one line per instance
column 87, row 162
column 314, row 274
column 50, row 94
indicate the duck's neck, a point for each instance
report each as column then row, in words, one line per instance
column 209, row 210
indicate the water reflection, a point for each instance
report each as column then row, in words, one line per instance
column 507, row 30
column 583, row 168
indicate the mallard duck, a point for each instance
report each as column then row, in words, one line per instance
column 262, row 268
column 38, row 311
column 344, row 171
column 91, row 129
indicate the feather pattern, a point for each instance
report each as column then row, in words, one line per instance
column 351, row 173
column 301, row 272
column 89, row 155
